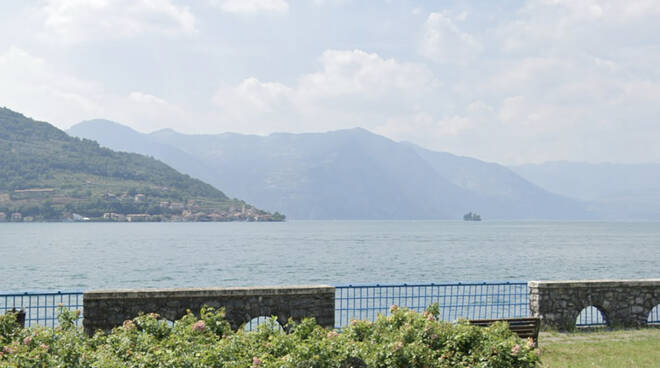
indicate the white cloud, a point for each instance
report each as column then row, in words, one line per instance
column 363, row 74
column 591, row 10
column 444, row 42
column 560, row 75
column 570, row 27
column 408, row 128
column 254, row 96
column 146, row 98
column 72, row 21
column 520, row 112
column 523, row 107
column 251, row 6
column 351, row 88
column 266, row 105
column 28, row 80
column 147, row 111
column 32, row 86
column 535, row 81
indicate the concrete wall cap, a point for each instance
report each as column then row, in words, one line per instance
column 594, row 283
column 208, row 292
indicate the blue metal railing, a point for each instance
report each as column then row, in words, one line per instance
column 456, row 300
column 41, row 307
column 590, row 317
column 471, row 300
column 654, row 316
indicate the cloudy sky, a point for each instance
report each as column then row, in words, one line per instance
column 506, row 81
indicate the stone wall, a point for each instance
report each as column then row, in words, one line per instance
column 105, row 309
column 624, row 303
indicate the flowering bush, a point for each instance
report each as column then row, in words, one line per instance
column 404, row 339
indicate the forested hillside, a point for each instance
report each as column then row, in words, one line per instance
column 46, row 174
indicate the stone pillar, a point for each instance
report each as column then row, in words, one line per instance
column 624, row 303
column 105, row 309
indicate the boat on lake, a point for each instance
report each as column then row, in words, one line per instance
column 470, row 216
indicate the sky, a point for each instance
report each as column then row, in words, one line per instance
column 505, row 81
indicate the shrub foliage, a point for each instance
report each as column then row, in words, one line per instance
column 404, row 339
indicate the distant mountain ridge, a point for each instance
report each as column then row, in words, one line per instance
column 345, row 174
column 46, row 174
column 614, row 191
column 125, row 139
column 500, row 189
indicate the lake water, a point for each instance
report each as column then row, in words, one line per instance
column 56, row 256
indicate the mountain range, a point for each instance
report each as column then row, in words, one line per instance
column 345, row 174
column 46, row 174
column 613, row 191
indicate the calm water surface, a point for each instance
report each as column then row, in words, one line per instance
column 51, row 256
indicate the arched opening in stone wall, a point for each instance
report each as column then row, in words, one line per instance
column 591, row 317
column 254, row 323
column 654, row 316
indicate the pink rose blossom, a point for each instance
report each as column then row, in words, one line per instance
column 255, row 362
column 44, row 346
column 27, row 340
column 199, row 326
column 8, row 349
column 429, row 316
column 128, row 325
column 515, row 349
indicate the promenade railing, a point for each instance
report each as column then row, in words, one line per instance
column 469, row 300
column 41, row 307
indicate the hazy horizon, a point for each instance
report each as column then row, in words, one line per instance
column 352, row 128
column 512, row 82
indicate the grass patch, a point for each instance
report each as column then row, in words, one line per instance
column 621, row 348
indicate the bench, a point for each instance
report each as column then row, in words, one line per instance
column 524, row 327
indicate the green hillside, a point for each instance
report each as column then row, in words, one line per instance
column 47, row 175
